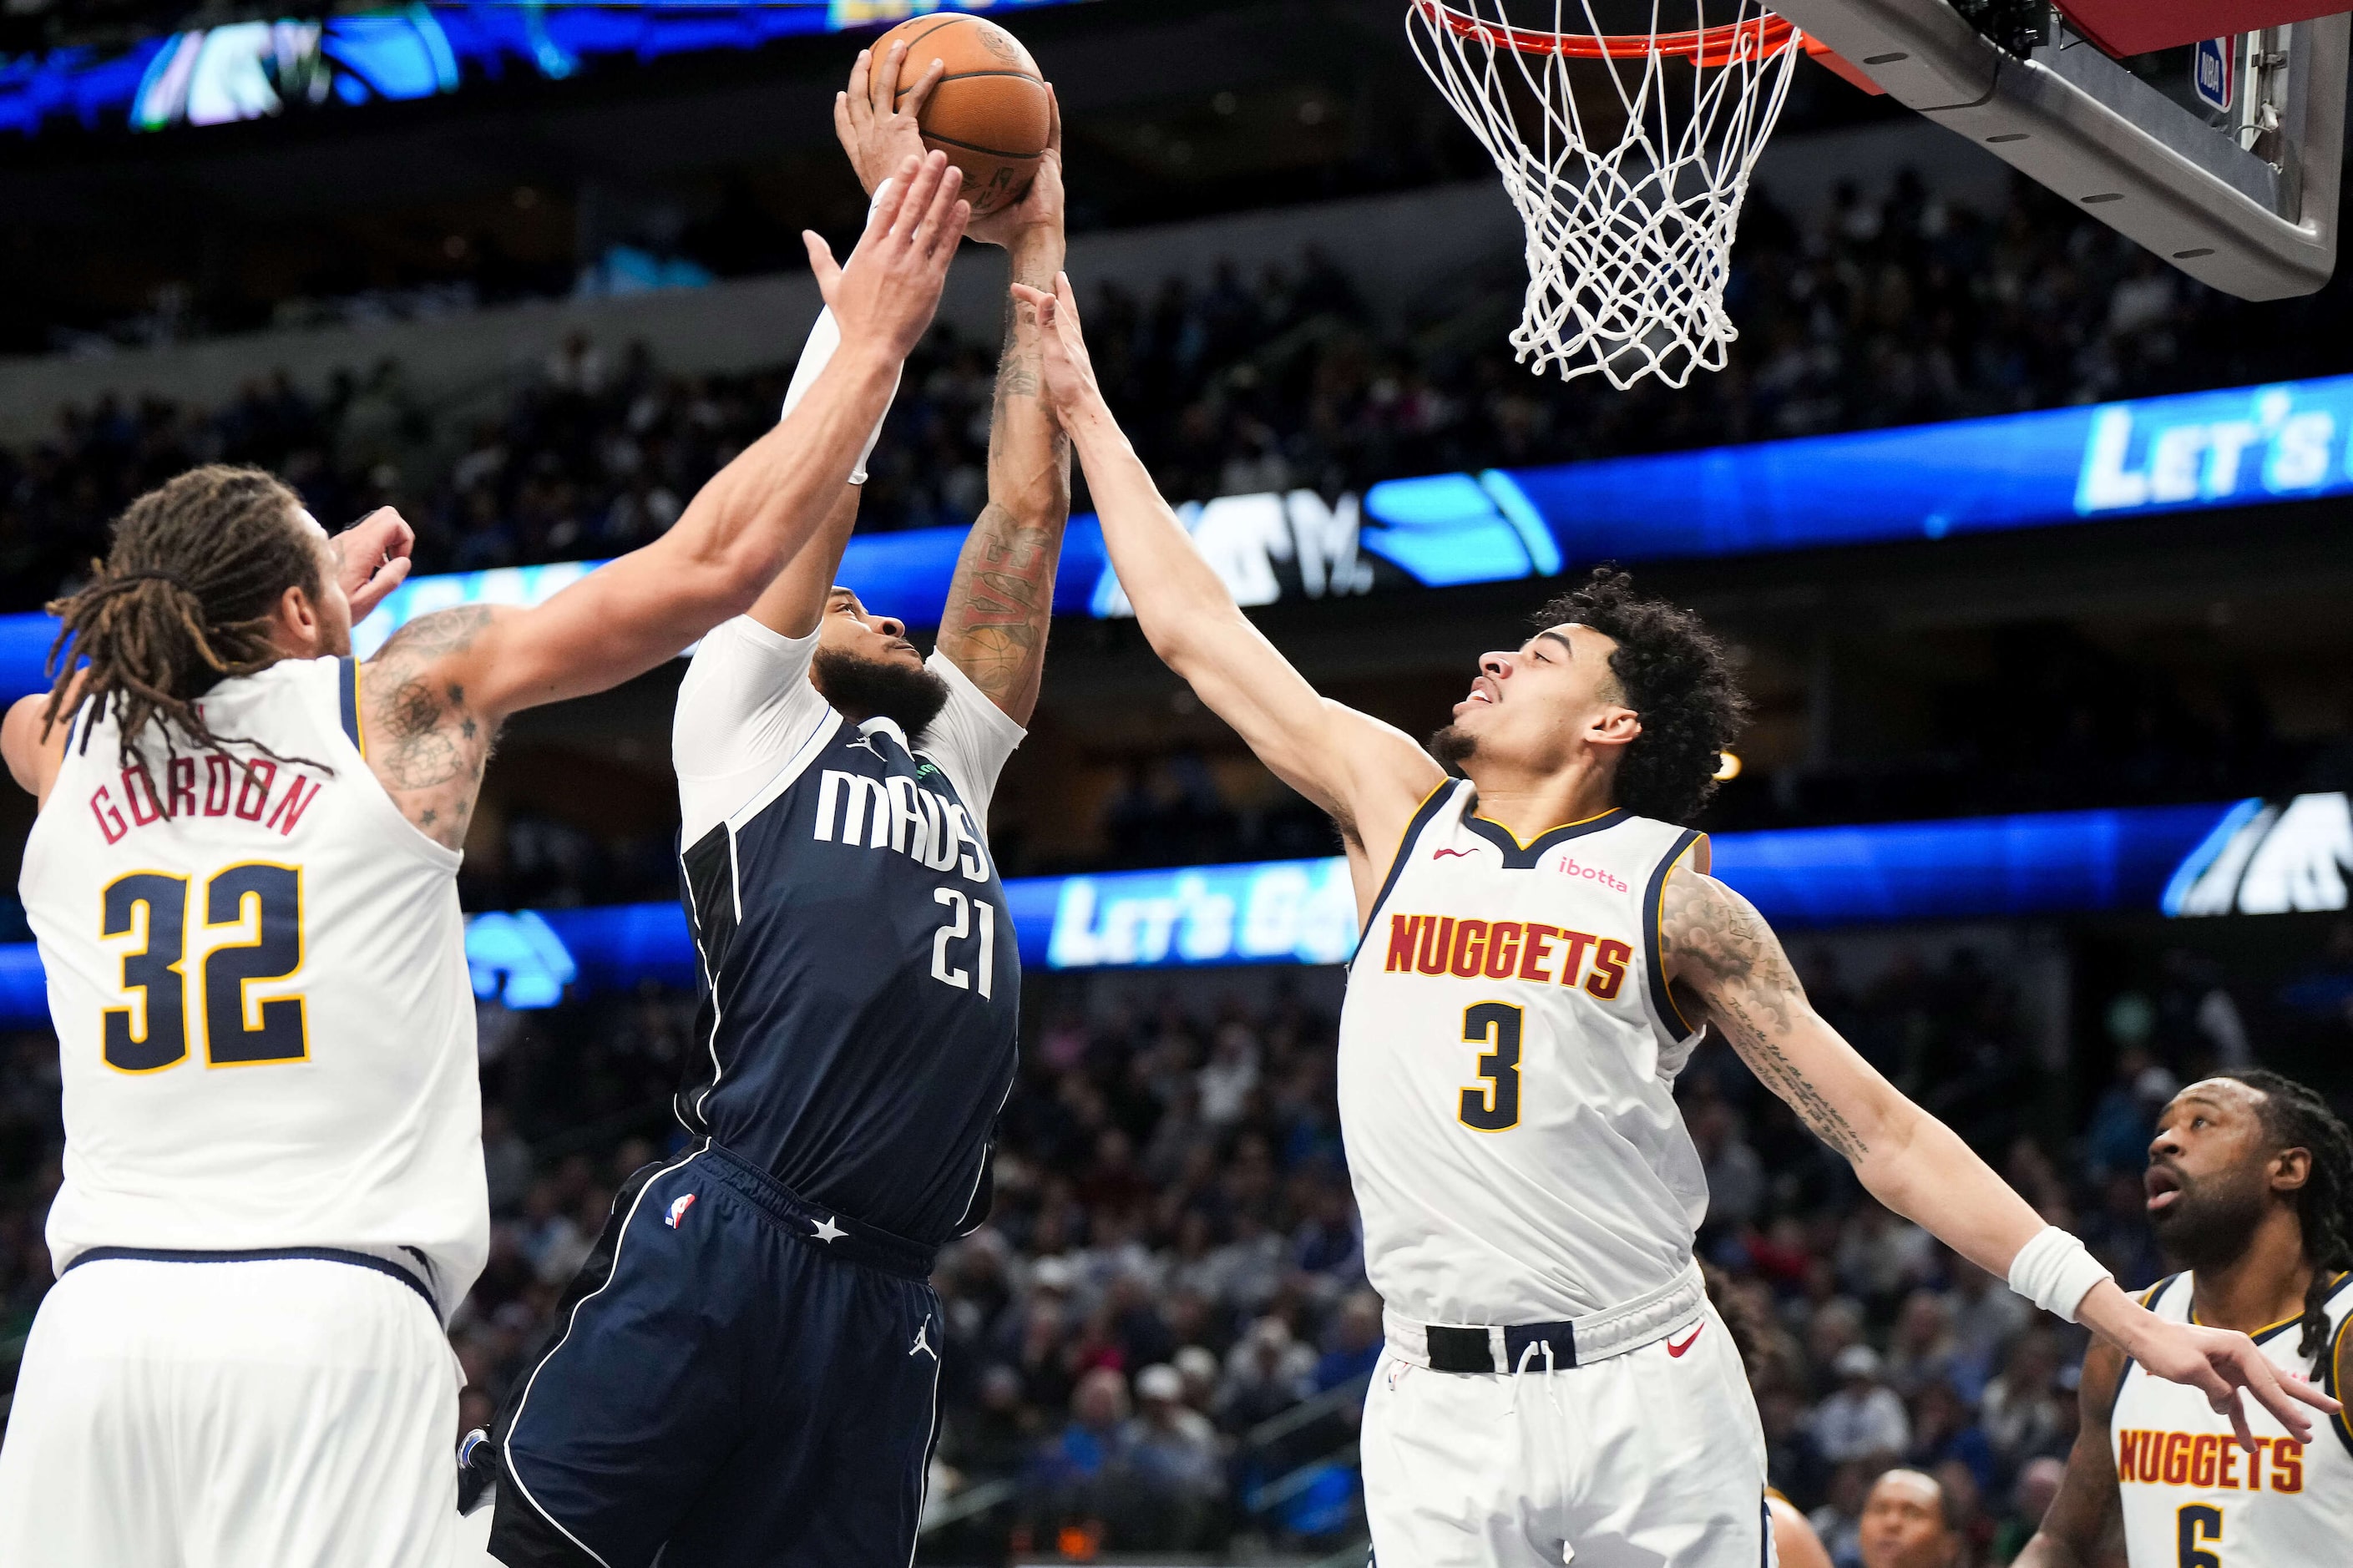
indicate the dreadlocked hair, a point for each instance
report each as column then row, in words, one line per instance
column 183, row 600
column 1676, row 675
column 2297, row 1118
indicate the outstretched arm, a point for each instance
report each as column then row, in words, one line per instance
column 1369, row 776
column 437, row 691
column 2085, row 1527
column 1725, row 967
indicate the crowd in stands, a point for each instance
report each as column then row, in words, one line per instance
column 1904, row 308
column 1160, row 1339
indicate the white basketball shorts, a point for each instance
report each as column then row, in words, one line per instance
column 1654, row 1458
column 279, row 1413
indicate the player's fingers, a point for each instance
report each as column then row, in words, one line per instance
column 1037, row 301
column 2263, row 1381
column 821, row 262
column 1054, row 136
column 388, row 576
column 941, row 226
column 922, row 186
column 921, row 93
column 892, row 198
column 859, row 69
column 1067, row 298
column 883, row 78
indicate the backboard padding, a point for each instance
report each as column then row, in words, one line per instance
column 2075, row 120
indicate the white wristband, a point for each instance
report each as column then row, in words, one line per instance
column 823, row 339
column 2055, row 1272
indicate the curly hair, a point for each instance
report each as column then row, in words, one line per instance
column 1676, row 675
column 2293, row 1117
column 183, row 601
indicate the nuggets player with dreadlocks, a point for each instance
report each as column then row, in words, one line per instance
column 246, row 858
column 2250, row 1186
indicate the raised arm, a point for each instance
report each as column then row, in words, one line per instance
column 1001, row 601
column 1369, row 776
column 435, row 694
column 2085, row 1525
column 1725, row 967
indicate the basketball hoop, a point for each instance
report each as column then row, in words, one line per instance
column 1629, row 220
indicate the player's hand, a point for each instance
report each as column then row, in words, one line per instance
column 1070, row 371
column 878, row 129
column 885, row 296
column 1041, row 206
column 372, row 557
column 2221, row 1364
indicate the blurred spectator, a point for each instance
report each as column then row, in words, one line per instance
column 2037, row 1489
column 1905, row 1524
column 1864, row 1419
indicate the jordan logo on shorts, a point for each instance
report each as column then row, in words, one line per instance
column 678, row 1207
column 923, row 1342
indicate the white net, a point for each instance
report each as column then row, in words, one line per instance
column 1627, row 157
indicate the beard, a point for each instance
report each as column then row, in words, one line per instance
column 1452, row 746
column 873, row 688
column 2212, row 1220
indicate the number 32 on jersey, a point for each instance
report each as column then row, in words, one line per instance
column 255, row 911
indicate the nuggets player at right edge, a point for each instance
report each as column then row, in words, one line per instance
column 2251, row 1187
column 1542, row 947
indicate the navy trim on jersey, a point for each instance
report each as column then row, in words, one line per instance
column 707, row 875
column 1765, row 1542
column 261, row 1255
column 1663, row 1001
column 347, row 698
column 1431, row 803
column 1519, row 857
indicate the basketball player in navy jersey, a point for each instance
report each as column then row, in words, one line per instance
column 246, row 857
column 1543, row 949
column 745, row 1371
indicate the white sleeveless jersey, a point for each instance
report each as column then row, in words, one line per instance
column 2194, row 1499
column 257, row 972
column 1507, row 1061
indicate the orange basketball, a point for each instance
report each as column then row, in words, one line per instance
column 988, row 114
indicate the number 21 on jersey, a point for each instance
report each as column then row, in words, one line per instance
column 257, row 900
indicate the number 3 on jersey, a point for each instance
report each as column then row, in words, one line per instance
column 1495, row 1108
column 265, row 897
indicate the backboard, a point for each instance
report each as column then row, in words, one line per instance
column 2243, row 199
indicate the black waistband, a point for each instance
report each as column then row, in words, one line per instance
column 1473, row 1350
column 836, row 1235
column 259, row 1255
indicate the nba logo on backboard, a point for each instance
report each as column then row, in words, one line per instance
column 2210, row 73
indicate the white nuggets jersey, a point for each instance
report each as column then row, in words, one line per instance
column 2194, row 1499
column 257, row 972
column 1507, row 1060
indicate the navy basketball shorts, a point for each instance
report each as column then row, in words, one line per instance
column 736, row 1378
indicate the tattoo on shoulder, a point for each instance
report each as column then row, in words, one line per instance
column 424, row 743
column 1728, row 961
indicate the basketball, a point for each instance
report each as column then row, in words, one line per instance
column 989, row 113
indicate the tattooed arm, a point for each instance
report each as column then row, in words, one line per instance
column 1725, row 967
column 436, row 694
column 1002, row 599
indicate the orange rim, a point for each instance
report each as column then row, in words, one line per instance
column 1759, row 38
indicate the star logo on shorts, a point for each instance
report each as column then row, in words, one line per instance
column 828, row 1231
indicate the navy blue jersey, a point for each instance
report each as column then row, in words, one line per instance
column 861, row 979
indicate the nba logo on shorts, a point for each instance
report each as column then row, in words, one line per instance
column 678, row 1207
